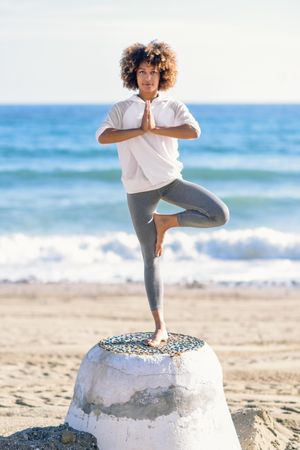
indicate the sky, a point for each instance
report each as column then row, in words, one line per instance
column 229, row 51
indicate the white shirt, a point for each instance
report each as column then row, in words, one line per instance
column 149, row 161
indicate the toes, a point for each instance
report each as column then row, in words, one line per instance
column 158, row 250
column 152, row 342
column 156, row 342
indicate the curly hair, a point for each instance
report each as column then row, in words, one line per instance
column 156, row 53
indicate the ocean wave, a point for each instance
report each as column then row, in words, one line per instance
column 239, row 174
column 59, row 174
column 113, row 174
column 260, row 253
column 244, row 244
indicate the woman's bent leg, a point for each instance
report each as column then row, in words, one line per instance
column 202, row 208
column 142, row 206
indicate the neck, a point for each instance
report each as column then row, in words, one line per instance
column 148, row 95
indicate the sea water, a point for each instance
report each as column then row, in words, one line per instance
column 63, row 210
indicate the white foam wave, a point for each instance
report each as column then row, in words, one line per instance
column 221, row 255
column 257, row 243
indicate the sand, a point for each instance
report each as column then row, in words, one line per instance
column 47, row 328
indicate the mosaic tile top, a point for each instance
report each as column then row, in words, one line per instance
column 134, row 343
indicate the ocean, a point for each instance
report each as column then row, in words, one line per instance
column 63, row 211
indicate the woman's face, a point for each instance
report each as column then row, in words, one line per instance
column 147, row 77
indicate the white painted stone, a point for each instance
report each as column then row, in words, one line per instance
column 159, row 402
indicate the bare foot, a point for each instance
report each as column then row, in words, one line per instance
column 160, row 335
column 162, row 223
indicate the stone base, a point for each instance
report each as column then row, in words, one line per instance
column 132, row 396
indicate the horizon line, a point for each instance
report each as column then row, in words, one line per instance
column 254, row 103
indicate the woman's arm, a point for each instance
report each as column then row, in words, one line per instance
column 184, row 131
column 111, row 135
column 180, row 132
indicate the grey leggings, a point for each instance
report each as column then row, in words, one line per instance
column 203, row 209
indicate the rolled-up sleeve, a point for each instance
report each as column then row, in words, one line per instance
column 184, row 117
column 112, row 120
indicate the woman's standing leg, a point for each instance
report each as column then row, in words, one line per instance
column 203, row 209
column 142, row 206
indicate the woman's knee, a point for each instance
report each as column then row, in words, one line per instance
column 223, row 215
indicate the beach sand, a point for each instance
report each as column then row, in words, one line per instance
column 47, row 328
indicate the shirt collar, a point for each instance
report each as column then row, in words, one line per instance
column 138, row 99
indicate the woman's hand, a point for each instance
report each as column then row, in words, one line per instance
column 148, row 122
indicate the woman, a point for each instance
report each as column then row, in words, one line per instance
column 145, row 128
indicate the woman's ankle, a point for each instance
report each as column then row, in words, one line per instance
column 161, row 326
